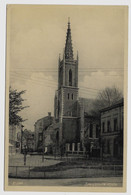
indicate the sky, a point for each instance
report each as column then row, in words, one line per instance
column 36, row 36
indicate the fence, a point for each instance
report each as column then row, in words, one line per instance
column 69, row 172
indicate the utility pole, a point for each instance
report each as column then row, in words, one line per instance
column 21, row 136
column 43, row 145
column 25, row 153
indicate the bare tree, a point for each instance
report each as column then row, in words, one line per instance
column 109, row 96
column 105, row 98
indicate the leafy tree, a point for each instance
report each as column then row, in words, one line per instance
column 15, row 106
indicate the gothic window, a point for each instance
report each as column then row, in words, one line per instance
column 68, row 96
column 72, row 96
column 70, row 77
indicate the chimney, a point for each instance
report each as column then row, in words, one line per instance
column 49, row 113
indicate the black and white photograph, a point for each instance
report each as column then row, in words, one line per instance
column 66, row 97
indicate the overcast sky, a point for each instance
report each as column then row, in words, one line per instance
column 35, row 37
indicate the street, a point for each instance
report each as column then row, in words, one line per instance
column 90, row 182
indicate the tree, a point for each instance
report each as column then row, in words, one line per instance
column 109, row 96
column 105, row 98
column 15, row 106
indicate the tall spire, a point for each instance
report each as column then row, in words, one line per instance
column 68, row 45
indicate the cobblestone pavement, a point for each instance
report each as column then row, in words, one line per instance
column 32, row 160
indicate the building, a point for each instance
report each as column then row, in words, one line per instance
column 112, row 130
column 89, row 128
column 51, row 139
column 46, row 135
column 31, row 141
column 69, row 110
column 39, row 127
column 15, row 138
column 28, row 141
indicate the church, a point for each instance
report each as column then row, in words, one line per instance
column 69, row 111
column 73, row 129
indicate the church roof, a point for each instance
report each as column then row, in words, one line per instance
column 68, row 45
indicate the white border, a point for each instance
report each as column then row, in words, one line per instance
column 2, row 80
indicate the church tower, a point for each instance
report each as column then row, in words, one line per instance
column 66, row 98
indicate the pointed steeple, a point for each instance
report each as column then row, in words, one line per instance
column 68, row 45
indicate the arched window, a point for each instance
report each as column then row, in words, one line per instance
column 70, row 77
column 72, row 96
